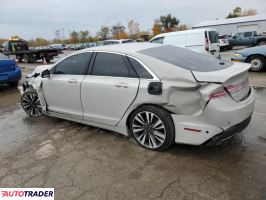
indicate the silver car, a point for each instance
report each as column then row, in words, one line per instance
column 158, row 94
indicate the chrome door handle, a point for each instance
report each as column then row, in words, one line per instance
column 121, row 85
column 73, row 81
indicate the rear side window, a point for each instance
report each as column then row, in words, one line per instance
column 74, row 65
column 141, row 71
column 213, row 36
column 109, row 64
column 248, row 34
column 158, row 40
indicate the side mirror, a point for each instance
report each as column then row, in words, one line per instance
column 45, row 73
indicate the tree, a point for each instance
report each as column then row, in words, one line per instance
column 237, row 12
column 104, row 32
column 182, row 27
column 84, row 35
column 118, row 31
column 133, row 29
column 249, row 12
column 74, row 37
column 156, row 28
column 169, row 23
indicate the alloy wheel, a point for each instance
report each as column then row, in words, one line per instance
column 31, row 104
column 256, row 64
column 149, row 130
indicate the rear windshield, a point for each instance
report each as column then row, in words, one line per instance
column 213, row 36
column 2, row 56
column 186, row 59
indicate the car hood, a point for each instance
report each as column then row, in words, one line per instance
column 221, row 76
column 253, row 50
column 39, row 69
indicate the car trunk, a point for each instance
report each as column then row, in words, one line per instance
column 7, row 65
column 234, row 79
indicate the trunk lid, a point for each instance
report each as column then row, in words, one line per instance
column 7, row 65
column 234, row 79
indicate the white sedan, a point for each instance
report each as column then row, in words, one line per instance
column 158, row 94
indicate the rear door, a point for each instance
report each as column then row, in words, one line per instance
column 62, row 89
column 248, row 38
column 109, row 89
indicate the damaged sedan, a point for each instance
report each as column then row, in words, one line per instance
column 158, row 94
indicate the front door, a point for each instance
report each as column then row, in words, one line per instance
column 109, row 90
column 62, row 89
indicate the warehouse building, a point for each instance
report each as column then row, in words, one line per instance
column 236, row 25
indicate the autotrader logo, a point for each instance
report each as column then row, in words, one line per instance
column 27, row 193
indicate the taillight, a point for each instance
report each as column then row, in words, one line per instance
column 233, row 88
column 206, row 41
column 218, row 94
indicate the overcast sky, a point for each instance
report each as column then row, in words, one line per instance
column 40, row 18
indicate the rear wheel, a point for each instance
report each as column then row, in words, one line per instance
column 258, row 63
column 26, row 58
column 262, row 43
column 31, row 104
column 14, row 84
column 152, row 127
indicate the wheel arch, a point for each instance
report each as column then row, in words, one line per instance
column 254, row 55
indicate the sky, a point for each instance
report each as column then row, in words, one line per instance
column 41, row 18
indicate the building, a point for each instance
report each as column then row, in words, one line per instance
column 236, row 25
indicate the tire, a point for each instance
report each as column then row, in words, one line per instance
column 152, row 127
column 31, row 103
column 262, row 43
column 26, row 58
column 14, row 84
column 258, row 63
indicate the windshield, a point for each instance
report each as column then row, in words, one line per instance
column 186, row 59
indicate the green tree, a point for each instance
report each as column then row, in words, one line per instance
column 236, row 13
column 84, row 35
column 104, row 32
column 74, row 37
column 169, row 23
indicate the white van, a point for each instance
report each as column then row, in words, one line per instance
column 200, row 40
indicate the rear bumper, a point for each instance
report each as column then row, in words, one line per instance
column 227, row 134
column 221, row 118
column 6, row 77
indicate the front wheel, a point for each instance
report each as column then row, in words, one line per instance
column 262, row 43
column 31, row 104
column 257, row 63
column 152, row 127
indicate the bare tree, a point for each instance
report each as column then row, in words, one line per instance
column 104, row 32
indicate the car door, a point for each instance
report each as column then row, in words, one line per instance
column 62, row 89
column 247, row 39
column 109, row 89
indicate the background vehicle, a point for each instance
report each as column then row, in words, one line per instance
column 247, row 39
column 109, row 42
column 9, row 71
column 170, row 98
column 20, row 49
column 224, row 42
column 204, row 41
column 256, row 56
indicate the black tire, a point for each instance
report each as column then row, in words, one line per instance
column 14, row 84
column 258, row 63
column 262, row 43
column 30, row 103
column 163, row 138
column 26, row 58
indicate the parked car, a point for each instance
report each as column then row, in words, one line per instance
column 204, row 41
column 224, row 42
column 256, row 56
column 109, row 42
column 247, row 39
column 171, row 98
column 10, row 72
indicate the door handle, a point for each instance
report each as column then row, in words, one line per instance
column 121, row 85
column 72, row 81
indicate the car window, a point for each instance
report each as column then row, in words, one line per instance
column 213, row 37
column 109, row 64
column 248, row 34
column 74, row 65
column 128, row 41
column 141, row 71
column 158, row 40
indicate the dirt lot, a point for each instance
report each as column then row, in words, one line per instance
column 83, row 162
